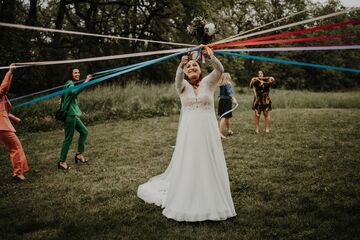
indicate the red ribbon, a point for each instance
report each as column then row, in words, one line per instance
column 279, row 41
column 237, row 43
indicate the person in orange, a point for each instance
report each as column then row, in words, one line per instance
column 7, row 131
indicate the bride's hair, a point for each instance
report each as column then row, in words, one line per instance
column 200, row 77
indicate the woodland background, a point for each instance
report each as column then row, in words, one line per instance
column 164, row 20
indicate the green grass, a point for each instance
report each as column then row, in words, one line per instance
column 299, row 182
column 136, row 101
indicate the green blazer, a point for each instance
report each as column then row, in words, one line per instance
column 71, row 98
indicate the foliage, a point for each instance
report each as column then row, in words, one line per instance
column 134, row 101
column 162, row 20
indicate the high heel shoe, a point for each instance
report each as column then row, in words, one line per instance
column 63, row 167
column 80, row 159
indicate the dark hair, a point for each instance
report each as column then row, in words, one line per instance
column 69, row 74
column 200, row 77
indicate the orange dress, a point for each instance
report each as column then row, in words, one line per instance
column 7, row 131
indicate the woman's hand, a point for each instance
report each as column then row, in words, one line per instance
column 17, row 120
column 14, row 118
column 88, row 77
column 207, row 50
column 234, row 100
column 12, row 67
column 184, row 61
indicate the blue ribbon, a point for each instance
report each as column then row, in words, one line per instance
column 287, row 61
column 114, row 72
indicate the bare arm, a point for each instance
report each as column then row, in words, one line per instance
column 14, row 118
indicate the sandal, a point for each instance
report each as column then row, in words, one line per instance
column 80, row 158
column 230, row 133
column 60, row 166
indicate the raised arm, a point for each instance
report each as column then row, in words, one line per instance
column 251, row 85
column 179, row 78
column 272, row 81
column 214, row 76
column 5, row 85
column 79, row 90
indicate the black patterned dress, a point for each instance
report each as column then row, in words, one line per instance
column 262, row 100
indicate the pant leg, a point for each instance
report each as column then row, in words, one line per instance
column 81, row 128
column 69, row 125
column 16, row 151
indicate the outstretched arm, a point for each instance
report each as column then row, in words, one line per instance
column 5, row 85
column 79, row 90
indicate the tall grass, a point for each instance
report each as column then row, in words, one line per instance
column 135, row 101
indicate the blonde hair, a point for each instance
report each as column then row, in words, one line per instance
column 225, row 78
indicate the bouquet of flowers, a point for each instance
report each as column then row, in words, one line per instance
column 201, row 30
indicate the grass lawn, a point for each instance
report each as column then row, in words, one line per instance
column 302, row 181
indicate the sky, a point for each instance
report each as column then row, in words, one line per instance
column 346, row 3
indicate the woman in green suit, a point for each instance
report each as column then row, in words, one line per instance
column 73, row 121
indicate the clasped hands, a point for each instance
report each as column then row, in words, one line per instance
column 206, row 50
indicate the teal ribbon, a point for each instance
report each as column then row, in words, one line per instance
column 113, row 73
column 287, row 61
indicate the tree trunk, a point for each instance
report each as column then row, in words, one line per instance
column 7, row 11
column 32, row 15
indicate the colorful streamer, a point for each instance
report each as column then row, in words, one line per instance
column 287, row 49
column 286, row 34
column 101, row 79
column 288, row 62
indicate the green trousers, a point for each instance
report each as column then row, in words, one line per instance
column 71, row 124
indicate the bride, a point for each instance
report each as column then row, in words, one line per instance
column 195, row 186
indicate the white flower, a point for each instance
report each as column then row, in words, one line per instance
column 209, row 29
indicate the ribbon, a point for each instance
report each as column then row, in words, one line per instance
column 101, row 79
column 288, row 62
column 280, row 41
column 231, row 110
column 20, row 26
column 286, row 49
column 293, row 24
column 264, row 25
column 286, row 34
column 128, row 55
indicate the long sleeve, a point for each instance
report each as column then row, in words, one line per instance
column 214, row 76
column 179, row 80
column 75, row 91
column 5, row 85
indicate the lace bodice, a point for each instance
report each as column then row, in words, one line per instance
column 204, row 100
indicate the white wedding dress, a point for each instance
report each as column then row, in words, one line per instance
column 195, row 186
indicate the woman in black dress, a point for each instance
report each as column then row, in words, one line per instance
column 226, row 99
column 262, row 103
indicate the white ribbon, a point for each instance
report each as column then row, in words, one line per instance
column 128, row 55
column 290, row 25
column 231, row 110
column 285, row 49
column 20, row 26
column 251, row 30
